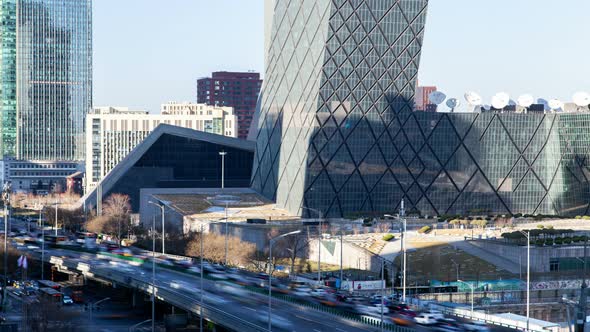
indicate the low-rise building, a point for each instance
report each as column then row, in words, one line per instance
column 112, row 132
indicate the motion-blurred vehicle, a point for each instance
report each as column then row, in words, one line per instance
column 275, row 320
column 402, row 320
column 476, row 326
column 426, row 319
column 67, row 300
column 447, row 325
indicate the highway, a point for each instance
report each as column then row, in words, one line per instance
column 228, row 305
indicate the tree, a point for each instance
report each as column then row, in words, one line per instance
column 238, row 251
column 115, row 219
column 291, row 247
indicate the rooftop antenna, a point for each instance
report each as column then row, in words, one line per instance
column 437, row 98
column 581, row 99
column 555, row 104
column 525, row 101
column 453, row 103
column 473, row 99
column 500, row 100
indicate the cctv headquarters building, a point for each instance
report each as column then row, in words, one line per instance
column 337, row 131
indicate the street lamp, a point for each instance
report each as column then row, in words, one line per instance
column 270, row 272
column 222, row 154
column 42, row 243
column 153, row 273
column 319, row 241
column 162, row 208
column 472, row 293
column 6, row 198
column 456, row 266
column 402, row 213
column 527, row 234
column 56, row 203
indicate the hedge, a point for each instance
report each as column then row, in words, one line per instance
column 388, row 237
column 425, row 229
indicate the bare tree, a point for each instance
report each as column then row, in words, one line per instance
column 292, row 247
column 115, row 219
column 239, row 252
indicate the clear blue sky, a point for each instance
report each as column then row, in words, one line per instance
column 147, row 52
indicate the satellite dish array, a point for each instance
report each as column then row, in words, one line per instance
column 502, row 99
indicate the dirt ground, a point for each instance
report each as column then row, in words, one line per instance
column 441, row 261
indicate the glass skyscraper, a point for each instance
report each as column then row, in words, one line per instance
column 46, row 78
column 338, row 75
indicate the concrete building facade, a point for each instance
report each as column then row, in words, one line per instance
column 113, row 132
column 239, row 90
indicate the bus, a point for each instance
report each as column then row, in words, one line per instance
column 49, row 284
column 51, row 295
column 55, row 240
column 86, row 239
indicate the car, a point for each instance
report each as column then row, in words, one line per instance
column 476, row 326
column 447, row 325
column 67, row 300
column 276, row 320
column 426, row 319
column 402, row 320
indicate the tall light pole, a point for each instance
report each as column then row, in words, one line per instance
column 42, row 244
column 222, row 154
column 319, row 242
column 472, row 294
column 153, row 273
column 201, row 295
column 403, row 230
column 6, row 199
column 162, row 208
column 270, row 273
column 528, row 280
column 457, row 267
column 56, row 203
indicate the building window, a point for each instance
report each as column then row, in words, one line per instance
column 553, row 265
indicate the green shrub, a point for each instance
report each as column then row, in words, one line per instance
column 558, row 240
column 455, row 222
column 586, row 217
column 540, row 226
column 539, row 242
column 583, row 238
column 576, row 239
column 518, row 215
column 549, row 242
column 578, row 217
column 464, row 222
column 388, row 237
column 424, row 230
column 567, row 240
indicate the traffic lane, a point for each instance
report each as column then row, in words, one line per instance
column 312, row 320
column 307, row 315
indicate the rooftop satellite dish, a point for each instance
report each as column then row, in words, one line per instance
column 487, row 107
column 543, row 102
column 503, row 96
column 437, row 97
column 499, row 103
column 555, row 104
column 473, row 98
column 452, row 103
column 525, row 100
column 581, row 99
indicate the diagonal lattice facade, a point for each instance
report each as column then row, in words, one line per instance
column 338, row 72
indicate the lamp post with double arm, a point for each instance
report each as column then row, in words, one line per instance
column 274, row 239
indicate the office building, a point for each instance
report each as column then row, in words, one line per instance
column 45, row 78
column 40, row 177
column 339, row 82
column 239, row 90
column 172, row 158
column 112, row 132
column 422, row 101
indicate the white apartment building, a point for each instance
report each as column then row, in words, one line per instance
column 112, row 132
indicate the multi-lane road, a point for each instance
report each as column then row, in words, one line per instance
column 224, row 303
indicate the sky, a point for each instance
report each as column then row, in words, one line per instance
column 147, row 53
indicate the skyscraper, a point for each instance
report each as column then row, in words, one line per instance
column 46, row 78
column 339, row 82
column 233, row 89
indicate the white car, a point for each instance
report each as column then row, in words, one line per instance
column 67, row 300
column 426, row 319
column 476, row 326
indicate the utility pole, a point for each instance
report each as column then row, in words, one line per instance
column 581, row 319
column 402, row 213
column 6, row 199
